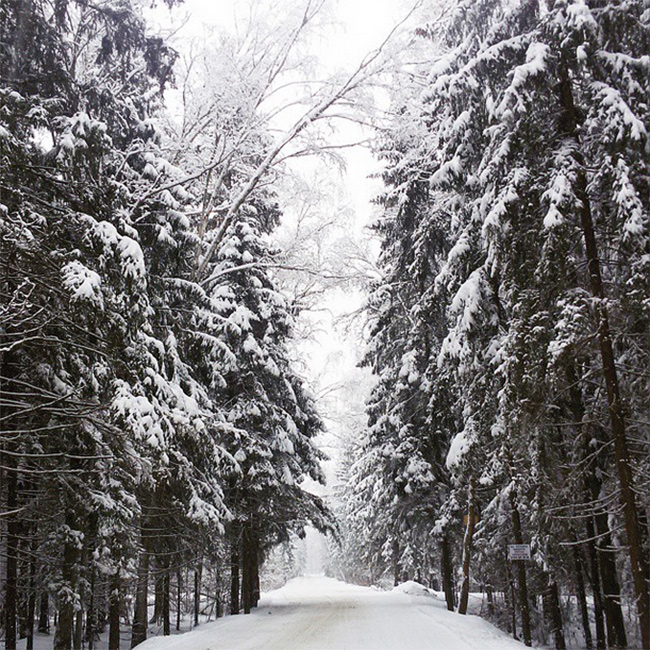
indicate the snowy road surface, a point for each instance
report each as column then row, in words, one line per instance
column 317, row 613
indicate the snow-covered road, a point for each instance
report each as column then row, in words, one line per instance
column 317, row 613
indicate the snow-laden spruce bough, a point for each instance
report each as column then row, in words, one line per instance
column 154, row 434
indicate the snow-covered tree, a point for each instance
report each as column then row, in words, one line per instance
column 531, row 140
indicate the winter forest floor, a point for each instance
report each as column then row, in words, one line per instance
column 318, row 613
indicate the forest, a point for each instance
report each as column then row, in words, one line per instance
column 157, row 431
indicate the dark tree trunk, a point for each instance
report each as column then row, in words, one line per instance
column 179, row 598
column 615, row 622
column 582, row 596
column 510, row 593
column 90, row 614
column 626, row 482
column 521, row 572
column 44, row 614
column 66, row 613
column 489, row 593
column 234, row 569
column 197, row 592
column 395, row 558
column 140, row 617
column 256, row 575
column 31, row 600
column 591, row 491
column 596, row 586
column 447, row 570
column 249, row 562
column 114, row 614
column 159, row 588
column 78, row 629
column 551, row 600
column 165, row 600
column 11, row 564
column 467, row 547
column 611, row 590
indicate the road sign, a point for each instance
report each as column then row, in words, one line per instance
column 518, row 552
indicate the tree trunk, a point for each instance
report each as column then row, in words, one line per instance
column 31, row 601
column 489, row 593
column 638, row 564
column 11, row 565
column 551, row 600
column 114, row 614
column 256, row 575
column 165, row 600
column 249, row 560
column 140, row 617
column 582, row 596
column 510, row 593
column 78, row 629
column 596, row 585
column 234, row 569
column 521, row 572
column 159, row 589
column 197, row 592
column 90, row 613
column 614, row 619
column 66, row 611
column 447, row 571
column 578, row 410
column 179, row 598
column 467, row 547
column 44, row 614
column 395, row 558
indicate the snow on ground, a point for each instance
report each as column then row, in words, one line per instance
column 318, row 613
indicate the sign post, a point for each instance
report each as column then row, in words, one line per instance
column 518, row 552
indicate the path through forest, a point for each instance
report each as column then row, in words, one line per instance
column 317, row 613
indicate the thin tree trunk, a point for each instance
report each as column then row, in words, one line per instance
column 44, row 613
column 140, row 617
column 467, row 547
column 179, row 598
column 256, row 569
column 614, row 619
column 114, row 614
column 8, row 372
column 234, row 569
column 90, row 614
column 159, row 589
column 11, row 575
column 197, row 592
column 247, row 567
column 596, row 585
column 31, row 602
column 582, row 596
column 521, row 572
column 166, row 599
column 638, row 564
column 511, row 594
column 447, row 572
column 395, row 558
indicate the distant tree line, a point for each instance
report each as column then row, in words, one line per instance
column 153, row 433
column 511, row 328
